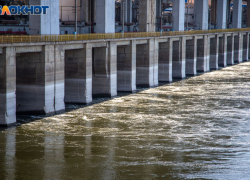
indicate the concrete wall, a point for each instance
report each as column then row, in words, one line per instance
column 191, row 56
column 221, row 14
column 75, row 76
column 8, row 86
column 30, row 83
column 178, row 60
column 248, row 13
column 105, row 16
column 147, row 15
column 203, row 54
column 245, row 47
column 49, row 74
column 230, row 50
column 147, row 64
column 48, row 23
column 214, row 53
column 201, row 14
column 2, row 89
column 104, row 80
column 238, row 48
column 59, row 78
column 67, row 8
column 237, row 13
column 165, row 61
column 223, row 51
column 142, row 65
column 178, row 15
column 126, row 67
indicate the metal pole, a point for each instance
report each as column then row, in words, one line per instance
column 161, row 14
column 123, row 14
column 187, row 14
column 210, row 18
column 75, row 16
column 61, row 13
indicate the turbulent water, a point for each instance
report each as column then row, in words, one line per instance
column 197, row 128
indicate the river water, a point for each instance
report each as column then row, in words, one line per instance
column 197, row 128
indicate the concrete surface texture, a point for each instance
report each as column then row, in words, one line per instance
column 230, row 50
column 191, row 56
column 221, row 14
column 144, row 16
column 214, row 53
column 165, row 61
column 39, row 78
column 105, row 16
column 178, row 15
column 201, row 14
column 48, row 23
column 147, row 15
column 237, row 13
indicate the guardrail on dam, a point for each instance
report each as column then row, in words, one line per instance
column 39, row 74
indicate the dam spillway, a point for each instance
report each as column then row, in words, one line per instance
column 40, row 77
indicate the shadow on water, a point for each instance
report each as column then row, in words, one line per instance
column 24, row 119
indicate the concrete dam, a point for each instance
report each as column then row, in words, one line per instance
column 40, row 76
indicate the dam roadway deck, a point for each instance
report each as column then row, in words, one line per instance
column 39, row 74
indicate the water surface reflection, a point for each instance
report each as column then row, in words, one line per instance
column 197, row 128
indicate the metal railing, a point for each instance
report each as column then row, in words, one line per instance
column 80, row 37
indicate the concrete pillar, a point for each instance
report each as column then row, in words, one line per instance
column 146, row 65
column 8, row 87
column 249, row 48
column 59, row 78
column 178, row 15
column 237, row 13
column 201, row 14
column 126, row 67
column 214, row 53
column 154, row 60
column 147, row 15
column 230, row 49
column 248, row 13
column 105, row 16
column 49, row 74
column 246, row 47
column 113, row 68
column 104, row 81
column 46, row 23
column 158, row 14
column 213, row 11
column 127, row 11
column 84, row 10
column 191, row 56
column 165, row 61
column 221, row 14
column 238, row 43
column 208, row 52
column 223, row 51
column 35, row 84
column 179, row 56
column 202, row 55
column 78, row 75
